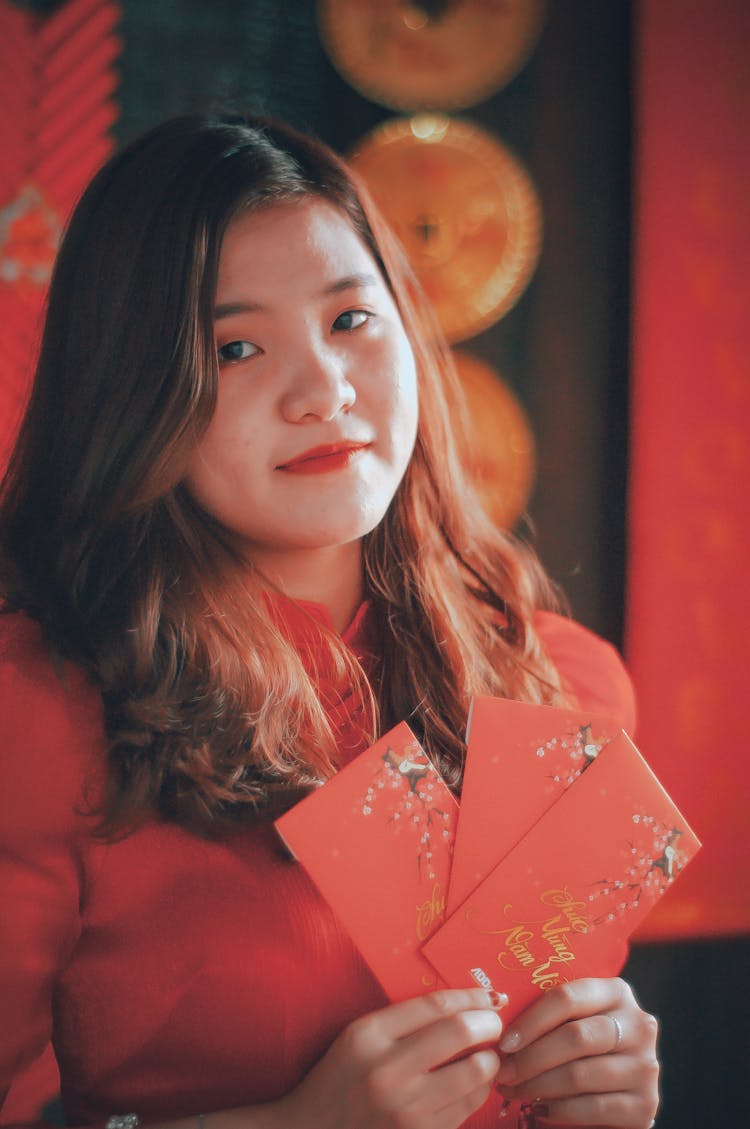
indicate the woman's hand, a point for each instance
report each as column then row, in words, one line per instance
column 393, row 1068
column 586, row 1055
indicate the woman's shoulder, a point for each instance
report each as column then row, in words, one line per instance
column 591, row 669
column 52, row 735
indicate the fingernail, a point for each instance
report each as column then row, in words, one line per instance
column 511, row 1041
column 498, row 1000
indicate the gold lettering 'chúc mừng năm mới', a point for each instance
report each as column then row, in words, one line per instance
column 544, row 947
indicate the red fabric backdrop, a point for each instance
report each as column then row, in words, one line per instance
column 689, row 610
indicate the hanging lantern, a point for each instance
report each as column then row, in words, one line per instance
column 464, row 209
column 429, row 54
column 499, row 451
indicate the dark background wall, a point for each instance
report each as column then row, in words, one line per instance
column 564, row 349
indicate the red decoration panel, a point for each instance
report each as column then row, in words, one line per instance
column 689, row 611
column 56, row 87
column 57, row 81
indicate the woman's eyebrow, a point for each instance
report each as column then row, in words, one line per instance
column 229, row 309
column 348, row 282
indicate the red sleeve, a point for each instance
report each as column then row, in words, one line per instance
column 47, row 729
column 592, row 672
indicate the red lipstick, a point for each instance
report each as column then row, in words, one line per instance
column 326, row 457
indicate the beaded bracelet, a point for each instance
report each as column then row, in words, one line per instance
column 132, row 1121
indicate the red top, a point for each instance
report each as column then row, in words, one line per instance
column 176, row 975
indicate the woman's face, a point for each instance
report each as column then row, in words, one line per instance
column 317, row 402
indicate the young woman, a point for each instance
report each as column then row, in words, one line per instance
column 236, row 546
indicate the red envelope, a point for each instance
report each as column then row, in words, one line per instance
column 560, row 904
column 520, row 760
column 377, row 840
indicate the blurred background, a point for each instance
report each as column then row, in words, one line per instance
column 571, row 181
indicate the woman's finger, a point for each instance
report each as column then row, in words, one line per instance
column 580, row 1039
column 402, row 1019
column 452, row 1083
column 410, row 1083
column 446, row 1039
column 575, row 1000
column 451, row 1116
column 624, row 1110
column 602, row 1074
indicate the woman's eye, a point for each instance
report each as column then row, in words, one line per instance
column 236, row 351
column 351, row 319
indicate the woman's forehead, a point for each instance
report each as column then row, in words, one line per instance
column 282, row 240
column 298, row 217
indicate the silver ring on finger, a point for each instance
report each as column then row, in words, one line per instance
column 618, row 1034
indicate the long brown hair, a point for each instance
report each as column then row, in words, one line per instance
column 210, row 714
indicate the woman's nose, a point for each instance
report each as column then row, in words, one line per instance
column 318, row 387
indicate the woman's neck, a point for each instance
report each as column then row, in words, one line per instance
column 331, row 576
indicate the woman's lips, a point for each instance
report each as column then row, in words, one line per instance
column 320, row 460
